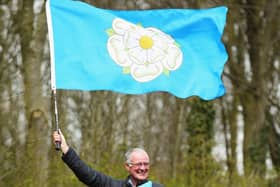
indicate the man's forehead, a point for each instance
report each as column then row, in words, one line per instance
column 139, row 155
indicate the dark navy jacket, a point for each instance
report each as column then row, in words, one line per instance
column 91, row 177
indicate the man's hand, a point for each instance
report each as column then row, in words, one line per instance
column 58, row 137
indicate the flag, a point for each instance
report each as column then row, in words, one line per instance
column 179, row 51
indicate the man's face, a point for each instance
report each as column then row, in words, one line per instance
column 139, row 166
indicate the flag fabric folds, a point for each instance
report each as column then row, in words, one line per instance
column 179, row 51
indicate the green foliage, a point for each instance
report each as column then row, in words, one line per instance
column 200, row 164
column 219, row 180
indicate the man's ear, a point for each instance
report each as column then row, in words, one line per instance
column 126, row 166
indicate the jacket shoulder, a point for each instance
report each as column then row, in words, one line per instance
column 157, row 185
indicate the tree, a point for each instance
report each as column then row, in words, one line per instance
column 200, row 125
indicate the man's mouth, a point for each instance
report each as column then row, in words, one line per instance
column 141, row 172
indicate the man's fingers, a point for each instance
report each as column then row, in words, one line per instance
column 56, row 136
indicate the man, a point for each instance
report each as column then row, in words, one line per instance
column 137, row 165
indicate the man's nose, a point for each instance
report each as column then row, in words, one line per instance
column 142, row 166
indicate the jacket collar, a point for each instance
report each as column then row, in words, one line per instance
column 130, row 184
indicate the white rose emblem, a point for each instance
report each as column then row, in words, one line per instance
column 144, row 53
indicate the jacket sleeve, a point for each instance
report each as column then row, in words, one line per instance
column 84, row 173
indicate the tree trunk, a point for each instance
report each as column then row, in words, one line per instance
column 32, row 33
column 254, row 104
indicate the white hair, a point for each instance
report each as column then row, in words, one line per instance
column 133, row 150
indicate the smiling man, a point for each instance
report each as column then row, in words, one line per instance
column 137, row 164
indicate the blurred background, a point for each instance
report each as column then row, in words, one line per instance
column 231, row 141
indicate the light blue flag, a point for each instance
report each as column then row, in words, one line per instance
column 137, row 51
